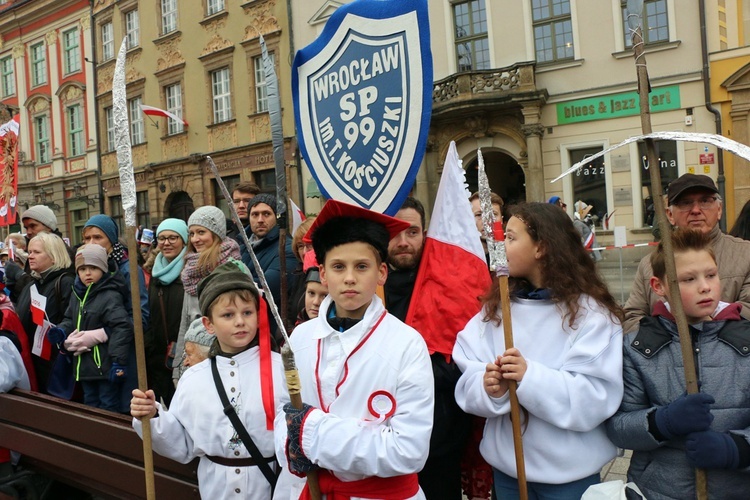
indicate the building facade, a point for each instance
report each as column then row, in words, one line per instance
column 539, row 85
column 46, row 77
column 202, row 62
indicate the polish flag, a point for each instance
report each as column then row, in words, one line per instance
column 297, row 215
column 453, row 272
column 152, row 111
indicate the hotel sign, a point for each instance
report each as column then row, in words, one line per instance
column 616, row 105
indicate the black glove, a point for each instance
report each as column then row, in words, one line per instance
column 299, row 464
column 712, row 450
column 118, row 373
column 56, row 336
column 686, row 414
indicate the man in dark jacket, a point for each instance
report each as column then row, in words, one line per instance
column 265, row 242
column 441, row 477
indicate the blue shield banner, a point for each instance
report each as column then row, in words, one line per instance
column 363, row 100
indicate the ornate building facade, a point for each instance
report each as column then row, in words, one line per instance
column 46, row 77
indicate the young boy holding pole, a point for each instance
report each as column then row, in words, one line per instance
column 241, row 365
column 673, row 433
column 366, row 377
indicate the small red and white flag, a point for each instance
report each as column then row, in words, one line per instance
column 453, row 272
column 297, row 215
column 152, row 111
column 11, row 250
column 38, row 306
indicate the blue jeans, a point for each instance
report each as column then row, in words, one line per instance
column 102, row 394
column 506, row 488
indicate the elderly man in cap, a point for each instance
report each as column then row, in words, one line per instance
column 694, row 202
column 265, row 243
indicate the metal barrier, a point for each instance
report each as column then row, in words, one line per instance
column 619, row 272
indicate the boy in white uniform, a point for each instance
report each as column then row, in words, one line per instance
column 366, row 376
column 251, row 375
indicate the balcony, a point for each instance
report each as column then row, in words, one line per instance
column 503, row 87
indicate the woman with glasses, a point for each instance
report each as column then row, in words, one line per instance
column 165, row 295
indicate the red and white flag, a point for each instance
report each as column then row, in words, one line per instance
column 11, row 250
column 38, row 306
column 9, row 171
column 297, row 215
column 453, row 272
column 152, row 111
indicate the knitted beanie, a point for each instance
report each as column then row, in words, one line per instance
column 212, row 218
column 197, row 334
column 43, row 214
column 92, row 255
column 266, row 198
column 176, row 225
column 224, row 278
column 106, row 224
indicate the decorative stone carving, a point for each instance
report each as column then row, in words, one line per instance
column 18, row 51
column 109, row 164
column 494, row 81
column 260, row 128
column 216, row 43
column 104, row 79
column 263, row 19
column 39, row 105
column 215, row 26
column 51, row 38
column 478, row 126
column 533, row 129
column 445, row 90
column 223, row 136
column 86, row 22
column 140, row 155
column 175, row 147
column 72, row 93
column 132, row 75
column 170, row 54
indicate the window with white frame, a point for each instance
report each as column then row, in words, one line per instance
column 553, row 30
column 472, row 45
column 589, row 182
column 222, row 97
column 109, row 119
column 137, row 133
column 108, row 42
column 132, row 29
column 71, row 52
column 7, row 76
column 261, row 87
column 38, row 64
column 666, row 154
column 168, row 16
column 214, row 6
column 173, row 95
column 654, row 21
column 76, row 140
column 41, row 139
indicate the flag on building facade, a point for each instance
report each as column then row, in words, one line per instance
column 152, row 111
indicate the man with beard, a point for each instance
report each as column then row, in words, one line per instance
column 441, row 477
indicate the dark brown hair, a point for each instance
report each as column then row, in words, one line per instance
column 567, row 268
column 247, row 187
column 683, row 240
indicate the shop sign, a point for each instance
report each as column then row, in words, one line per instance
column 616, row 105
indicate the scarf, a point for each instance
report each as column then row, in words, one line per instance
column 191, row 275
column 536, row 294
column 167, row 272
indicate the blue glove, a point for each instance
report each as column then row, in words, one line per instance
column 299, row 464
column 712, row 450
column 686, row 414
column 118, row 373
column 56, row 336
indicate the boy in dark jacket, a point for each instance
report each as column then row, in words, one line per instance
column 672, row 432
column 98, row 331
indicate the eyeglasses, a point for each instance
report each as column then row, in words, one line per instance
column 703, row 203
column 171, row 239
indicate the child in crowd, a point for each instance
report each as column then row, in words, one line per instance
column 198, row 344
column 315, row 291
column 566, row 359
column 208, row 248
column 366, row 376
column 243, row 367
column 97, row 330
column 672, row 432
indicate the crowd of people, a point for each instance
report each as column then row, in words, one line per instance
column 382, row 415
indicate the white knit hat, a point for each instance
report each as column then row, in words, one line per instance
column 42, row 214
column 212, row 218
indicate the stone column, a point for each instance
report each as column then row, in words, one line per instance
column 533, row 130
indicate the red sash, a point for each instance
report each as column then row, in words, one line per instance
column 387, row 488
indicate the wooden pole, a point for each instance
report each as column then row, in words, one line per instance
column 140, row 356
column 515, row 406
column 665, row 229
